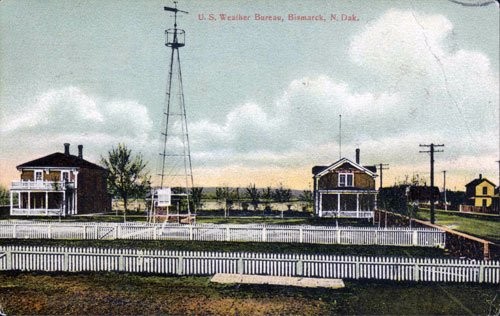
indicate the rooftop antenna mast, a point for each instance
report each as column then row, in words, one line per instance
column 176, row 167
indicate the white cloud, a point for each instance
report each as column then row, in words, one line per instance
column 429, row 94
column 71, row 115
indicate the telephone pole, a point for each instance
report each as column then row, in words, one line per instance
column 381, row 167
column 444, row 190
column 432, row 150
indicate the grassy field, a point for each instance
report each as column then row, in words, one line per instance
column 240, row 247
column 127, row 294
column 482, row 228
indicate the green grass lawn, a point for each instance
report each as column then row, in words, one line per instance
column 129, row 294
column 256, row 247
column 482, row 228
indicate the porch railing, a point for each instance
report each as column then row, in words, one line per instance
column 41, row 185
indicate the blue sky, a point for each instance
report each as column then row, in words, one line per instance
column 263, row 98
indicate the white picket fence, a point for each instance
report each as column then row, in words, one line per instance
column 396, row 236
column 70, row 259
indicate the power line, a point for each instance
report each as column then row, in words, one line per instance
column 432, row 150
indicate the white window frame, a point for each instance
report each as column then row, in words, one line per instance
column 346, row 176
column 38, row 171
column 63, row 172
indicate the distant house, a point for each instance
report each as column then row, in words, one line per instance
column 480, row 195
column 60, row 184
column 345, row 189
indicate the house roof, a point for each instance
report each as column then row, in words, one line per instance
column 319, row 171
column 59, row 160
column 477, row 181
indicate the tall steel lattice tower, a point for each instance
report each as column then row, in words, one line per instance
column 176, row 169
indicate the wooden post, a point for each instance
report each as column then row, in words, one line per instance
column 121, row 263
column 180, row 265
column 8, row 253
column 49, row 231
column 300, row 267
column 486, row 251
column 481, row 272
column 190, row 232
column 228, row 234
column 301, row 234
column 264, row 234
column 240, row 266
column 415, row 238
column 416, row 273
column 14, row 233
column 338, row 235
column 66, row 260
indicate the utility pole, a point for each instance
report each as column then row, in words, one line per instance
column 381, row 167
column 444, row 190
column 432, row 150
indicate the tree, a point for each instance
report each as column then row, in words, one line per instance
column 127, row 177
column 4, row 195
column 254, row 196
column 196, row 195
column 307, row 196
column 282, row 195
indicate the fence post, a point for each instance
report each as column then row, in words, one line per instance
column 65, row 260
column 357, row 270
column 481, row 272
column 180, row 265
column 190, row 232
column 264, row 233
column 415, row 238
column 300, row 267
column 240, row 266
column 121, row 265
column 376, row 236
column 14, row 233
column 301, row 235
column 117, row 228
column 8, row 254
column 96, row 234
column 416, row 272
column 338, row 235
column 85, row 232
column 155, row 233
column 49, row 231
column 228, row 234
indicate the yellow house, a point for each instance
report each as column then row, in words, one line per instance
column 480, row 192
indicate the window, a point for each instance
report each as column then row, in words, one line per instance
column 64, row 176
column 38, row 175
column 485, row 190
column 346, row 179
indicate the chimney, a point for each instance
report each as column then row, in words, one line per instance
column 66, row 149
column 80, row 151
column 357, row 155
column 480, row 176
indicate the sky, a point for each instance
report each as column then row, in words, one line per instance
column 262, row 97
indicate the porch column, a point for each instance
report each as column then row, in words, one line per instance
column 46, row 202
column 19, row 200
column 29, row 200
column 357, row 205
column 320, row 204
column 338, row 204
column 64, row 202
column 11, row 201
